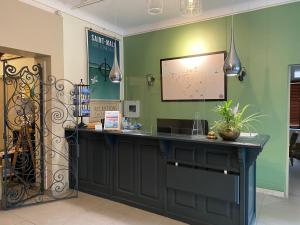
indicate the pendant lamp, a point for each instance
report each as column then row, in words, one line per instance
column 115, row 74
column 190, row 7
column 155, row 7
column 232, row 65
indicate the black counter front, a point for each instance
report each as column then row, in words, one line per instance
column 189, row 178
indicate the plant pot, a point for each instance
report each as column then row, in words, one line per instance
column 229, row 135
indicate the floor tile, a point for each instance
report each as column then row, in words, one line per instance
column 91, row 210
column 295, row 178
column 25, row 223
column 280, row 211
column 260, row 197
column 8, row 218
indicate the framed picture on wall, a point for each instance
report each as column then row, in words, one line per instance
column 100, row 52
column 194, row 78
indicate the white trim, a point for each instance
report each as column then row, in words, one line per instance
column 214, row 14
column 54, row 6
column 271, row 192
column 39, row 5
column 287, row 166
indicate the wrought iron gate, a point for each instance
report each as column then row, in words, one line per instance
column 40, row 152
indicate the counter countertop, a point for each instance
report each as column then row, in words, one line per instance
column 255, row 142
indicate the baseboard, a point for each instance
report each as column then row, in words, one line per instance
column 271, row 192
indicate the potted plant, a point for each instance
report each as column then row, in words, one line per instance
column 233, row 120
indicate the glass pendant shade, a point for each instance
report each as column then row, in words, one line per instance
column 232, row 65
column 190, row 7
column 115, row 74
column 155, row 7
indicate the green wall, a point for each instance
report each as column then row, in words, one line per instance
column 267, row 41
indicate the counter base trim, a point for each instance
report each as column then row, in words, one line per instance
column 271, row 192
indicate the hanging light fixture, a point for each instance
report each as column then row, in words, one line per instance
column 115, row 74
column 232, row 65
column 155, row 7
column 190, row 7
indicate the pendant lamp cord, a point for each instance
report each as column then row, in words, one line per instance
column 232, row 24
column 232, row 14
column 116, row 19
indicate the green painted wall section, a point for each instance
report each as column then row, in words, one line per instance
column 267, row 42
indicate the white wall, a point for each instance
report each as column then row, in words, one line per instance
column 75, row 48
column 31, row 30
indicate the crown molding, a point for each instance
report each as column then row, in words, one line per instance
column 213, row 14
column 55, row 6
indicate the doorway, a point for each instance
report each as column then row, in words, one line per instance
column 35, row 149
column 294, row 130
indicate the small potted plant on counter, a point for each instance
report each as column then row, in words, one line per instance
column 233, row 120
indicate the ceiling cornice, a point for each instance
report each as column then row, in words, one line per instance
column 219, row 13
column 54, row 5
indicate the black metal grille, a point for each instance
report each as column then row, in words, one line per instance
column 37, row 111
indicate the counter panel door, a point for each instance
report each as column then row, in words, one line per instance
column 198, row 208
column 198, row 189
column 83, row 163
column 94, row 165
column 151, row 174
column 100, row 160
column 125, row 169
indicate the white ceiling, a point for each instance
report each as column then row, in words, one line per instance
column 127, row 17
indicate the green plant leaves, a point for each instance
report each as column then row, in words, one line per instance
column 233, row 119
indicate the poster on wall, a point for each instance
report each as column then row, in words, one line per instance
column 194, row 78
column 100, row 60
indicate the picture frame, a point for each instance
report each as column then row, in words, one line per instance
column 132, row 109
column 112, row 120
column 100, row 58
column 194, row 78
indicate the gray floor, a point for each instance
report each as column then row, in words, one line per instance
column 295, row 178
column 90, row 210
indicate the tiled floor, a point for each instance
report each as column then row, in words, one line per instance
column 90, row 210
column 295, row 178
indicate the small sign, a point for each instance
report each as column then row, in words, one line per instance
column 112, row 120
column 98, row 108
column 132, row 109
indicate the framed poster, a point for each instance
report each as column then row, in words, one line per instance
column 100, row 60
column 194, row 78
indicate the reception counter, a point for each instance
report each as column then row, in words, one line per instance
column 185, row 177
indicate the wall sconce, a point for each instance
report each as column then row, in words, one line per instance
column 150, row 79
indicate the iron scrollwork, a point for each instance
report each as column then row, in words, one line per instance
column 37, row 113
